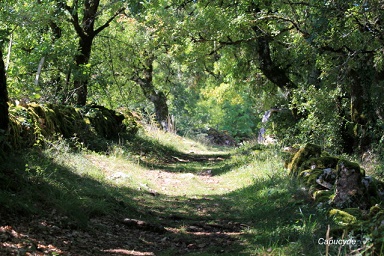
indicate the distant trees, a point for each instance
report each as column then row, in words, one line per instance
column 326, row 59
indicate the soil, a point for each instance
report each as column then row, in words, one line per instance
column 106, row 236
column 53, row 234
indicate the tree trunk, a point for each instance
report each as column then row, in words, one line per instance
column 271, row 70
column 360, row 108
column 86, row 32
column 161, row 109
column 81, row 80
column 158, row 98
column 4, row 118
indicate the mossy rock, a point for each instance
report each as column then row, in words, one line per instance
column 104, row 122
column 376, row 226
column 131, row 126
column 350, row 166
column 321, row 162
column 375, row 189
column 36, row 122
column 342, row 217
column 305, row 153
column 309, row 176
column 313, row 188
column 69, row 120
column 350, row 192
column 43, row 118
column 323, row 196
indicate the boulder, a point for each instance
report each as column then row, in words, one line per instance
column 221, row 138
column 305, row 153
column 350, row 192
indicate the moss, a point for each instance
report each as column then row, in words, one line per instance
column 376, row 224
column 356, row 212
column 130, row 122
column 342, row 218
column 104, row 122
column 350, row 166
column 68, row 121
column 309, row 176
column 322, row 195
column 308, row 151
column 36, row 122
column 374, row 210
column 321, row 162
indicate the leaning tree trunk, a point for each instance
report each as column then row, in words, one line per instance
column 158, row 98
column 272, row 71
column 4, row 118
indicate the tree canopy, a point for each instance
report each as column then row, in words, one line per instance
column 218, row 64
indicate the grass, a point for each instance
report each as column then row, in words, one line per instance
column 178, row 183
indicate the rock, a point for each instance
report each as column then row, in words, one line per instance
column 324, row 162
column 350, row 192
column 220, row 138
column 139, row 224
column 342, row 218
column 322, row 196
column 375, row 189
column 309, row 176
column 305, row 153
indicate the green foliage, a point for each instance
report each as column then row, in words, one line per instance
column 207, row 59
column 322, row 123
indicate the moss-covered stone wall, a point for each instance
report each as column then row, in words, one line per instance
column 32, row 123
column 354, row 201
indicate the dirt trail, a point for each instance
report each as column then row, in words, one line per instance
column 175, row 222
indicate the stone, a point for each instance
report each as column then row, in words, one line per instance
column 350, row 192
column 305, row 153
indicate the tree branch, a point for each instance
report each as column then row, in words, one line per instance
column 75, row 18
column 106, row 24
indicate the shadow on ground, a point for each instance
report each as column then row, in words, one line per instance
column 47, row 208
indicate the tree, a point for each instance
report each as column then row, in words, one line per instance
column 4, row 118
column 335, row 47
column 84, row 15
column 144, row 60
column 144, row 78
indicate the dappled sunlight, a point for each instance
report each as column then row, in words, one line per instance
column 91, row 203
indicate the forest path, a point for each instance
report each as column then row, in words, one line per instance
column 186, row 204
column 179, row 204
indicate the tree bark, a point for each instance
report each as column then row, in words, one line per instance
column 4, row 118
column 158, row 98
column 360, row 108
column 81, row 80
column 273, row 72
column 270, row 69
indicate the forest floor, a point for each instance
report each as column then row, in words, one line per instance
column 185, row 222
column 135, row 201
